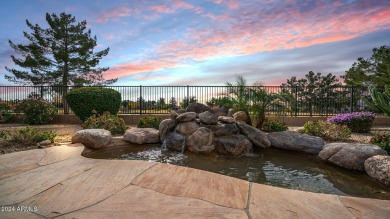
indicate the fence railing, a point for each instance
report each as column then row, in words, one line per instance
column 292, row 101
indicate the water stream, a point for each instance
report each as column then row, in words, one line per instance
column 271, row 166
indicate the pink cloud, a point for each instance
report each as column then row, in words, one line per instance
column 114, row 14
column 249, row 33
column 132, row 68
column 185, row 5
column 161, row 9
column 232, row 4
column 258, row 29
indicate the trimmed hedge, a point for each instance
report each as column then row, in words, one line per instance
column 87, row 101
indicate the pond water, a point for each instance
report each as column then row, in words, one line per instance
column 274, row 167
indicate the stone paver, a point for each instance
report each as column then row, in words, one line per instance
column 138, row 202
column 56, row 154
column 61, row 183
column 22, row 186
column 193, row 183
column 87, row 188
column 367, row 208
column 18, row 162
column 273, row 202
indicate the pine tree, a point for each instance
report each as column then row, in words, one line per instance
column 62, row 54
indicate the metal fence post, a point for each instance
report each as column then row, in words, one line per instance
column 42, row 91
column 296, row 101
column 351, row 103
column 140, row 99
column 188, row 95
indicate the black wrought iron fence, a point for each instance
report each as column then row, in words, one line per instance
column 291, row 101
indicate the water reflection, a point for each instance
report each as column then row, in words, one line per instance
column 271, row 166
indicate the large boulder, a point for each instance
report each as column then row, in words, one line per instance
column 92, row 138
column 240, row 116
column 197, row 108
column 220, row 111
column 173, row 114
column 232, row 145
column 290, row 140
column 208, row 118
column 349, row 155
column 174, row 141
column 226, row 119
column 187, row 128
column 166, row 126
column 186, row 117
column 202, row 141
column 142, row 135
column 180, row 111
column 378, row 167
column 257, row 137
column 222, row 129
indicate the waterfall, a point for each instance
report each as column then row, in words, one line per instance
column 164, row 146
column 183, row 146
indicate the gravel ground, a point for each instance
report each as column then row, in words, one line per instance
column 65, row 132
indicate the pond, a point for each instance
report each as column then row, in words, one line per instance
column 274, row 167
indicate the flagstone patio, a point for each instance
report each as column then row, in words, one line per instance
column 59, row 182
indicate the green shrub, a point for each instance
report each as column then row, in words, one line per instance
column 4, row 112
column 273, row 126
column 109, row 122
column 83, row 101
column 25, row 136
column 149, row 122
column 382, row 140
column 326, row 130
column 357, row 121
column 36, row 111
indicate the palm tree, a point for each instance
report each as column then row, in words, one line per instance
column 241, row 96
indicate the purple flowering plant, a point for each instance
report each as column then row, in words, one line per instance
column 356, row 121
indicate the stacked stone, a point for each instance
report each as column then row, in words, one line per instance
column 201, row 129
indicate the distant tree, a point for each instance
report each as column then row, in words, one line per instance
column 62, row 54
column 173, row 103
column 161, row 103
column 220, row 101
column 186, row 101
column 141, row 103
column 372, row 71
column 314, row 92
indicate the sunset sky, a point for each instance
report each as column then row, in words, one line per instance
column 209, row 42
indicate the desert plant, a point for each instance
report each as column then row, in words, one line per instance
column 326, row 130
column 382, row 140
column 357, row 121
column 26, row 136
column 273, row 126
column 83, row 101
column 109, row 122
column 36, row 111
column 380, row 101
column 149, row 122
